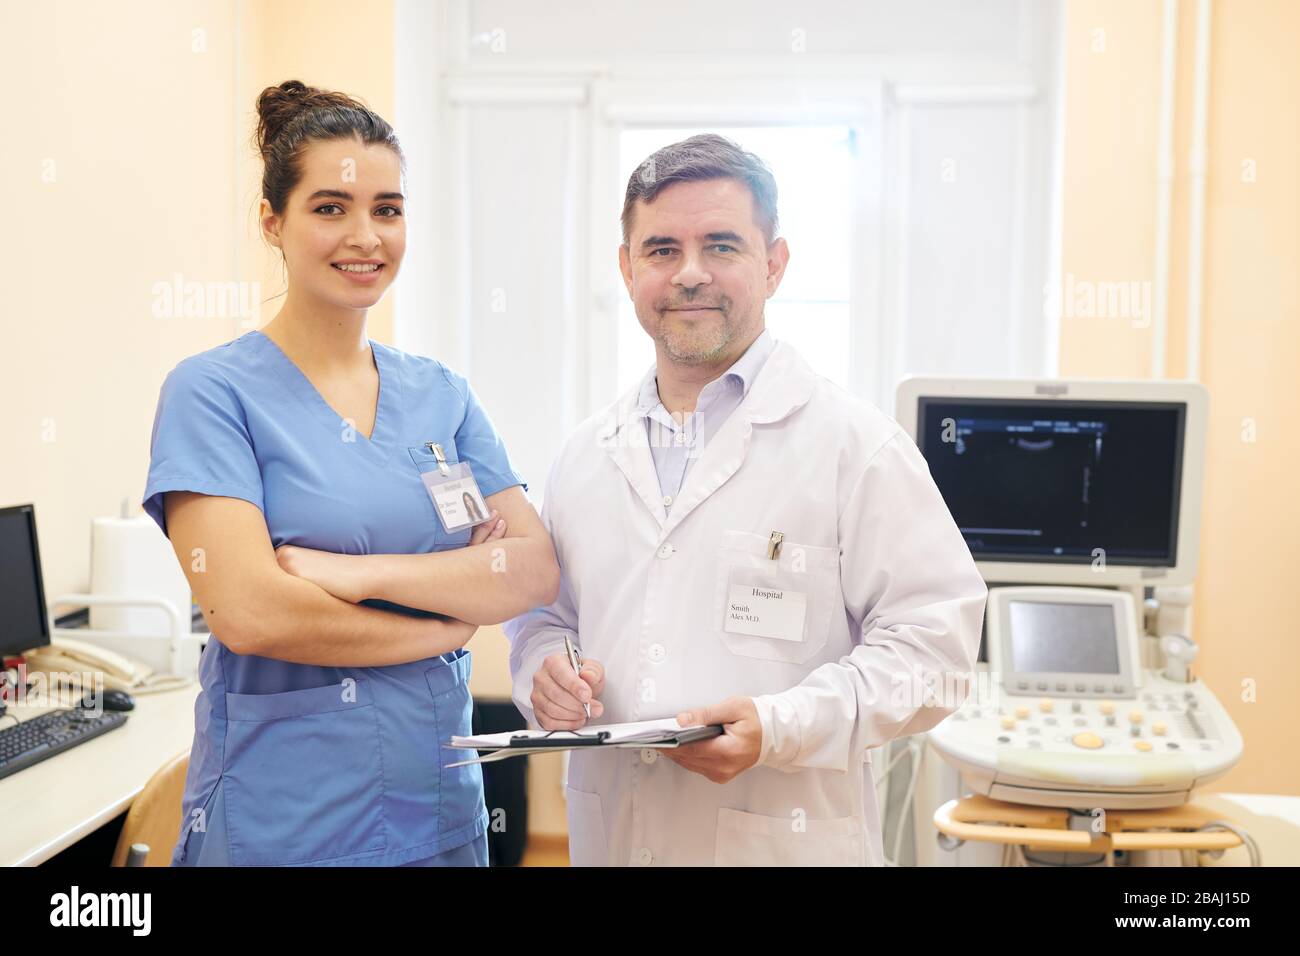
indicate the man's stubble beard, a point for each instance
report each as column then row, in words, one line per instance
column 701, row 347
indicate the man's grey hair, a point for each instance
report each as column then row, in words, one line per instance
column 700, row 158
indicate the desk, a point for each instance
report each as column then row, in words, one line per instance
column 48, row 807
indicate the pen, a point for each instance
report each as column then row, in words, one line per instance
column 576, row 665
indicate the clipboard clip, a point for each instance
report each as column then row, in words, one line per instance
column 593, row 740
column 436, row 451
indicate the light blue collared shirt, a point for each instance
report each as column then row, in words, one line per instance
column 674, row 447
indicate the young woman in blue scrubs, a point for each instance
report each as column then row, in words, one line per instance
column 286, row 470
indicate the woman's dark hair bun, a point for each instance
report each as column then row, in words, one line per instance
column 279, row 104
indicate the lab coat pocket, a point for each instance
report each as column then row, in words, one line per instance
column 303, row 780
column 801, row 575
column 460, row 789
column 587, row 846
column 751, row 839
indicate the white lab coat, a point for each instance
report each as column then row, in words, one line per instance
column 893, row 600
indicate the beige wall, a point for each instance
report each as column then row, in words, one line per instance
column 1246, row 609
column 119, row 161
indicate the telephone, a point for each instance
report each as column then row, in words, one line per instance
column 120, row 672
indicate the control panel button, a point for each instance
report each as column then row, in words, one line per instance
column 1158, row 729
column 1046, row 705
column 1088, row 741
column 1022, row 713
column 1142, row 745
column 1106, row 707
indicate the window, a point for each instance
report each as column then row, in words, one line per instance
column 812, row 166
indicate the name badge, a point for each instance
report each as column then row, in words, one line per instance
column 766, row 612
column 456, row 497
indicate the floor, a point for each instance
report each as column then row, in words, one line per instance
column 546, row 851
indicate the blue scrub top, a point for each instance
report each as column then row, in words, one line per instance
column 295, row 764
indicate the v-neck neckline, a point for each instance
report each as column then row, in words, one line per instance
column 385, row 402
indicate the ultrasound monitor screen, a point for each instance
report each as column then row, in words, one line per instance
column 1062, row 482
column 1063, row 638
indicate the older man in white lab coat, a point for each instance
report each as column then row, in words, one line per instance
column 742, row 543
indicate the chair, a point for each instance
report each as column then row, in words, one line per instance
column 154, row 820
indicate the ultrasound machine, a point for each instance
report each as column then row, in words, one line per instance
column 1080, row 502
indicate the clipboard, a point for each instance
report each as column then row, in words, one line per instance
column 655, row 734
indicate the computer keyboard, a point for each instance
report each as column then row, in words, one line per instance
column 42, row 737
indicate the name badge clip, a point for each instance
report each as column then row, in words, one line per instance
column 436, row 450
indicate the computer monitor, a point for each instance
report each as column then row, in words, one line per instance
column 1066, row 482
column 24, row 621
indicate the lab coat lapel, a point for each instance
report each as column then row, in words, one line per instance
column 623, row 436
column 784, row 384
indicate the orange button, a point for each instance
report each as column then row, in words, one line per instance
column 1088, row 741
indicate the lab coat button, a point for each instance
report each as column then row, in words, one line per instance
column 668, row 501
column 643, row 857
column 665, row 551
column 649, row 755
column 656, row 652
column 680, row 438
